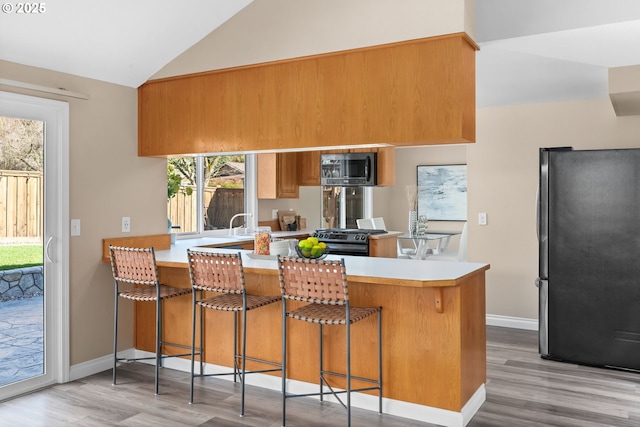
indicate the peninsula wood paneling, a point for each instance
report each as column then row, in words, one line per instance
column 416, row 92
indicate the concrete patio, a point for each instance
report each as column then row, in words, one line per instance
column 21, row 339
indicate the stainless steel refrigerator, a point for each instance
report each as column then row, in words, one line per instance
column 589, row 259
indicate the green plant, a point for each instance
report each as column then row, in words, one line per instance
column 173, row 181
column 182, row 170
column 18, row 256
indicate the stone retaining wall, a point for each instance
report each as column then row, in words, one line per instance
column 21, row 282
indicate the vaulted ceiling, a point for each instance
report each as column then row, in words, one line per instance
column 531, row 51
column 117, row 41
column 550, row 50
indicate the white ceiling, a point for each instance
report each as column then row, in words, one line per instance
column 118, row 41
column 552, row 50
column 531, row 51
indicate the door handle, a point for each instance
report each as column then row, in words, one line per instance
column 46, row 249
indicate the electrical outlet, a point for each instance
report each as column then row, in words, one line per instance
column 126, row 224
column 482, row 218
column 75, row 227
column 274, row 213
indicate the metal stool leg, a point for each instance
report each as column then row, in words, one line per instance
column 235, row 347
column 380, row 361
column 244, row 359
column 115, row 337
column 201, row 337
column 321, row 365
column 348, row 334
column 158, row 339
column 193, row 344
column 284, row 362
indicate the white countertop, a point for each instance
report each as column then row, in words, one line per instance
column 220, row 239
column 390, row 268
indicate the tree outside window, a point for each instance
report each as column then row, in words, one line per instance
column 221, row 189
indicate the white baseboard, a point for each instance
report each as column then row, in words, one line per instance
column 91, row 367
column 512, row 322
column 441, row 417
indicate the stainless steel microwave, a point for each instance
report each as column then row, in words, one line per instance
column 348, row 169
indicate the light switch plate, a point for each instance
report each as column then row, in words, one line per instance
column 75, row 227
column 482, row 218
column 126, row 224
column 274, row 213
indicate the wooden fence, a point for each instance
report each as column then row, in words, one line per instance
column 221, row 204
column 21, row 204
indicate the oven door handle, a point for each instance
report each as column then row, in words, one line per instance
column 348, row 249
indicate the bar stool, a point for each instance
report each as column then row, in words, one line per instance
column 137, row 266
column 223, row 273
column 323, row 284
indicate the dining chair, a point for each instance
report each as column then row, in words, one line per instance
column 378, row 223
column 137, row 268
column 459, row 254
column 407, row 251
column 375, row 223
column 365, row 223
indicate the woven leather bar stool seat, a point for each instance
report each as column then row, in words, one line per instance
column 323, row 284
column 222, row 274
column 137, row 267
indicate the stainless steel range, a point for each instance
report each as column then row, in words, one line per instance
column 346, row 241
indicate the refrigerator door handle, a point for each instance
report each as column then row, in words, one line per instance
column 542, row 215
column 538, row 212
column 543, row 316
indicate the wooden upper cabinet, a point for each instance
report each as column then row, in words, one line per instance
column 386, row 161
column 416, row 92
column 309, row 167
column 277, row 176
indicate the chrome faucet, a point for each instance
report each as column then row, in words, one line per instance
column 236, row 216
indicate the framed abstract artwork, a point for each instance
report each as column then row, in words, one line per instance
column 442, row 192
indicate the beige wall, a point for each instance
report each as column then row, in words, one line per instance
column 503, row 177
column 308, row 205
column 269, row 30
column 502, row 181
column 391, row 202
column 107, row 181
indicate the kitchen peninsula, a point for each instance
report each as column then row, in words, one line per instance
column 433, row 326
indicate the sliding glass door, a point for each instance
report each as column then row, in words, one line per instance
column 33, row 243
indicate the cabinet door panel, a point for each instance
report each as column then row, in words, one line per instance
column 277, row 176
column 309, row 168
column 287, row 175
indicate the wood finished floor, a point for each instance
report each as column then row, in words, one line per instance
column 522, row 390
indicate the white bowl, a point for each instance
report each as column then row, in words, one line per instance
column 279, row 247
